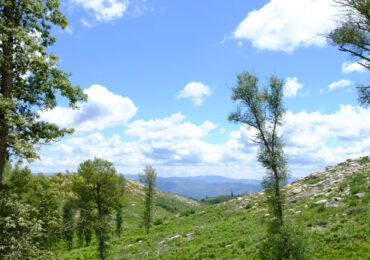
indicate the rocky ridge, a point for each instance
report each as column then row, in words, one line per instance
column 320, row 188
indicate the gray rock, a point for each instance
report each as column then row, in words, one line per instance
column 336, row 199
column 360, row 195
column 320, row 202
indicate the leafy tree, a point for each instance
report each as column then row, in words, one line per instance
column 30, row 78
column 262, row 110
column 353, row 36
column 119, row 221
column 68, row 223
column 84, row 226
column 149, row 179
column 99, row 188
column 29, row 215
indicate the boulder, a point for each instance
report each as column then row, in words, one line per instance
column 320, row 202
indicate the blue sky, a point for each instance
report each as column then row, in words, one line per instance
column 159, row 77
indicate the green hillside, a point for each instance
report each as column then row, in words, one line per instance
column 331, row 206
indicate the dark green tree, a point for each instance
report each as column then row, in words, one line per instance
column 68, row 223
column 119, row 221
column 263, row 110
column 29, row 77
column 99, row 188
column 148, row 178
column 353, row 36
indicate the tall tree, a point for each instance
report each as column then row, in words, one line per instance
column 263, row 110
column 30, row 78
column 149, row 179
column 68, row 223
column 99, row 188
column 353, row 36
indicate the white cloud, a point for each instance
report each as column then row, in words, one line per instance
column 308, row 135
column 352, row 67
column 339, row 84
column 104, row 109
column 196, row 92
column 104, row 10
column 291, row 87
column 169, row 128
column 175, row 146
column 288, row 24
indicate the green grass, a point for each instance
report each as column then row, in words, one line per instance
column 234, row 230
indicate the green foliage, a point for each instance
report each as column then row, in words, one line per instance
column 30, row 78
column 364, row 160
column 288, row 243
column 312, row 181
column 30, row 218
column 68, row 223
column 119, row 220
column 99, row 190
column 353, row 36
column 149, row 179
column 263, row 111
column 217, row 199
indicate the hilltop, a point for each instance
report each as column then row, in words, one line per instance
column 331, row 206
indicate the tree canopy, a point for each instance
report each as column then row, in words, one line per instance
column 352, row 35
column 30, row 77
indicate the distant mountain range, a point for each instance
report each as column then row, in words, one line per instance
column 199, row 187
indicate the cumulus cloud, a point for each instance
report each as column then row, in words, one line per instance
column 288, row 24
column 104, row 109
column 175, row 146
column 291, row 87
column 339, row 84
column 317, row 139
column 196, row 92
column 104, row 10
column 352, row 67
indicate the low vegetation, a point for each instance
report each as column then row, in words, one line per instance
column 334, row 229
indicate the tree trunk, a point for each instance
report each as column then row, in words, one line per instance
column 6, row 82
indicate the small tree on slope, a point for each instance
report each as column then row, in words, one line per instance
column 262, row 110
column 149, row 179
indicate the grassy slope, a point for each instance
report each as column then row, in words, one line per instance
column 233, row 229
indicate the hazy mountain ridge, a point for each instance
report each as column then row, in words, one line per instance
column 205, row 186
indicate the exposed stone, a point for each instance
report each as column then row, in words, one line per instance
column 336, row 199
column 267, row 215
column 320, row 202
column 360, row 195
column 174, row 237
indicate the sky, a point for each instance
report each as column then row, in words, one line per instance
column 159, row 74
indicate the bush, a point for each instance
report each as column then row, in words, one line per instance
column 288, row 243
column 158, row 221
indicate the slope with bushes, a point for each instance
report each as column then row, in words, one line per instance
column 331, row 206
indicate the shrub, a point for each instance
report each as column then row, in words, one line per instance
column 288, row 243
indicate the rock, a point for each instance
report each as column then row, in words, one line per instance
column 298, row 212
column 229, row 245
column 320, row 202
column 296, row 190
column 336, row 199
column 360, row 195
column 174, row 237
column 293, row 201
column 240, row 198
column 162, row 242
column 267, row 215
